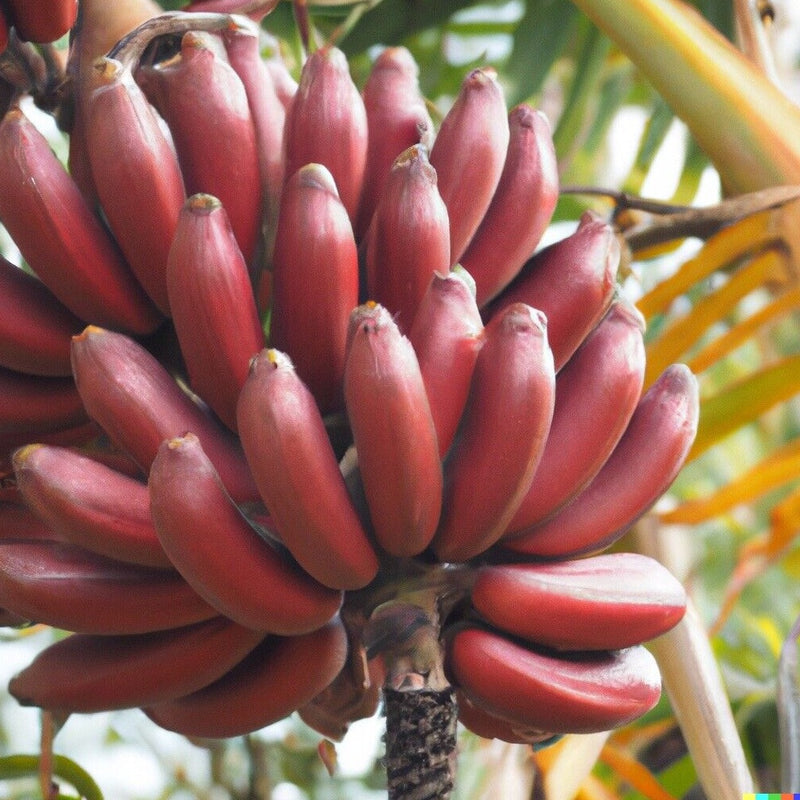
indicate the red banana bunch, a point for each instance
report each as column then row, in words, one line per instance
column 240, row 429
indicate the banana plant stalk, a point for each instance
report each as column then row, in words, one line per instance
column 746, row 125
column 694, row 684
column 419, row 701
column 789, row 709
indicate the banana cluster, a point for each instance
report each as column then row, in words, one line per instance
column 214, row 511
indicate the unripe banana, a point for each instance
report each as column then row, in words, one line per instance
column 138, row 404
column 89, row 504
column 315, row 282
column 641, row 468
column 468, row 154
column 596, row 394
column 85, row 673
column 606, row 602
column 142, row 216
column 396, row 108
column 35, row 328
column 502, row 436
column 571, row 282
column 408, row 240
column 73, row 589
column 36, row 403
column 447, row 334
column 278, row 677
column 205, row 105
column 42, row 21
column 213, row 307
column 327, row 124
column 59, row 236
column 220, row 554
column 296, row 471
column 560, row 693
column 394, row 434
column 506, row 239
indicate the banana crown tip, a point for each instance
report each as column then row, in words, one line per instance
column 274, row 358
column 203, row 201
column 179, row 442
column 89, row 330
column 21, row 455
column 105, row 70
column 317, row 176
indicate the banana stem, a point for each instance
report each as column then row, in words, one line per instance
column 752, row 18
column 419, row 702
column 420, row 743
column 129, row 49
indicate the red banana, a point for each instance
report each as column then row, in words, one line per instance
column 327, row 124
column 84, row 433
column 143, row 216
column 278, row 677
column 138, row 404
column 254, row 9
column 38, row 404
column 73, row 589
column 394, row 434
column 220, row 554
column 7, row 619
column 35, row 328
column 85, row 673
column 641, row 468
column 487, row 726
column 4, row 31
column 408, row 240
column 398, row 119
column 596, row 394
column 42, row 21
column 561, row 693
column 213, row 307
column 606, row 602
column 296, row 471
column 502, row 436
column 59, row 236
column 571, row 282
column 243, row 46
column 205, row 105
column 89, row 504
column 447, row 334
column 315, row 282
column 468, row 154
column 283, row 80
column 17, row 521
column 506, row 238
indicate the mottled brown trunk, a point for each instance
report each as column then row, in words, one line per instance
column 420, row 743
